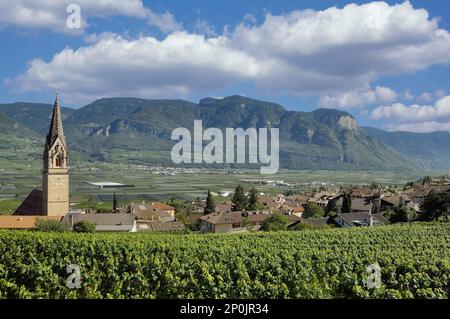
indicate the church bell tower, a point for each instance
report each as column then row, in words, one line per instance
column 55, row 181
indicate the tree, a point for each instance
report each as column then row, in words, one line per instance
column 114, row 202
column 346, row 204
column 313, row 211
column 331, row 206
column 239, row 199
column 435, row 205
column 210, row 206
column 253, row 199
column 83, row 226
column 401, row 214
column 247, row 223
column 50, row 225
column 275, row 222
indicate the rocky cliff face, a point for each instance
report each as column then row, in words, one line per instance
column 348, row 122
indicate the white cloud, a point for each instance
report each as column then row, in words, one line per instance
column 425, row 127
column 408, row 96
column 398, row 112
column 361, row 99
column 50, row 14
column 439, row 94
column 146, row 67
column 203, row 27
column 336, row 52
column 425, row 97
column 344, row 49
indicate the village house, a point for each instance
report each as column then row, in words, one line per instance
column 105, row 222
column 157, row 226
column 235, row 221
column 358, row 220
column 359, row 205
column 150, row 212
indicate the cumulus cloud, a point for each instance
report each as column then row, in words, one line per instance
column 327, row 52
column 425, row 127
column 398, row 112
column 425, row 97
column 49, row 14
column 361, row 99
column 145, row 67
column 203, row 27
column 343, row 49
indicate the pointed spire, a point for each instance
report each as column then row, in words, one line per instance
column 56, row 128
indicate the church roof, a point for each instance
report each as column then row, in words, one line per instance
column 56, row 128
column 32, row 205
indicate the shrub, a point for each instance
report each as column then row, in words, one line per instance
column 50, row 225
column 84, row 227
column 275, row 222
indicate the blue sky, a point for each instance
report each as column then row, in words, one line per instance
column 387, row 63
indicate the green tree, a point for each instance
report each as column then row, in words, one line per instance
column 114, row 202
column 50, row 225
column 253, row 199
column 331, row 206
column 313, row 211
column 210, row 206
column 435, row 205
column 83, row 226
column 401, row 214
column 247, row 223
column 275, row 222
column 239, row 199
column 346, row 204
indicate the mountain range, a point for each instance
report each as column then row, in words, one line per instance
column 138, row 131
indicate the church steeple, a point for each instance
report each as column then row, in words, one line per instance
column 55, row 183
column 56, row 128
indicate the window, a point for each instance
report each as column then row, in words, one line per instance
column 59, row 161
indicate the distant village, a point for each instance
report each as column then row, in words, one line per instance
column 225, row 212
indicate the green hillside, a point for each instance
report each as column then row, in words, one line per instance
column 139, row 130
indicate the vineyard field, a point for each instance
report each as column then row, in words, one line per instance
column 413, row 262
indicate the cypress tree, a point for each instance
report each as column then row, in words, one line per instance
column 346, row 204
column 253, row 199
column 239, row 200
column 210, row 206
column 114, row 202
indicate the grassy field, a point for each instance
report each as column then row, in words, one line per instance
column 16, row 183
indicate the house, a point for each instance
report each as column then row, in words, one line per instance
column 359, row 205
column 273, row 202
column 291, row 210
column 23, row 222
column 358, row 219
column 163, row 207
column 151, row 212
column 233, row 221
column 109, row 222
column 158, row 226
column 364, row 192
column 387, row 202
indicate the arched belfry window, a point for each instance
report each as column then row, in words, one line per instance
column 59, row 162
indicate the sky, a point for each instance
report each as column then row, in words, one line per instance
column 386, row 63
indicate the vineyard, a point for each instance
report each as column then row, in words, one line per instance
column 413, row 260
